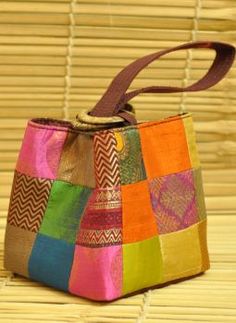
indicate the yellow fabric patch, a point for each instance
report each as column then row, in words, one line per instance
column 191, row 140
column 119, row 141
column 202, row 227
column 181, row 252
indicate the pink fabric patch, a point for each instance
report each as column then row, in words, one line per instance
column 40, row 152
column 97, row 272
column 174, row 201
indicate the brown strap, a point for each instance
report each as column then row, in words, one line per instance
column 115, row 97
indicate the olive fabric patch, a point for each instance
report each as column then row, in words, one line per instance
column 142, row 265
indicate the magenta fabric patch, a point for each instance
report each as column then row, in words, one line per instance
column 174, row 201
column 40, row 152
column 97, row 272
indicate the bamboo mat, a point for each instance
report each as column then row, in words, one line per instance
column 210, row 297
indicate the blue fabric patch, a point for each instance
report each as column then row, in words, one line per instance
column 51, row 261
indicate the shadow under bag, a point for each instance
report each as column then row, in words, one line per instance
column 105, row 206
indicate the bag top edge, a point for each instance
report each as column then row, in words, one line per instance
column 68, row 126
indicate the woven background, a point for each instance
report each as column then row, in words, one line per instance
column 57, row 57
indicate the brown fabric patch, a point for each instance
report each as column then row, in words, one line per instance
column 29, row 200
column 77, row 160
column 18, row 246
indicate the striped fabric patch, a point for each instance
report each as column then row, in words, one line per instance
column 101, row 224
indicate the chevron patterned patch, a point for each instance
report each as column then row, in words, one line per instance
column 100, row 238
column 106, row 160
column 28, row 201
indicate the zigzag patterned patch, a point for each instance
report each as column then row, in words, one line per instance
column 106, row 160
column 100, row 238
column 28, row 201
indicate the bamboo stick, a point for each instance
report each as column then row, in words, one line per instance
column 32, row 70
column 152, row 22
column 169, row 3
column 104, row 82
column 32, row 81
column 216, row 93
column 31, row 104
column 37, row 40
column 132, row 53
column 13, row 123
column 31, row 6
column 24, row 90
column 149, row 34
column 150, row 3
column 31, row 112
column 134, row 11
column 122, row 62
column 33, row 50
column 133, row 22
column 35, row 60
column 185, row 12
column 34, row 18
column 36, row 30
column 148, row 73
column 31, row 96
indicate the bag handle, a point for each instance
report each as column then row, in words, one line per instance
column 114, row 99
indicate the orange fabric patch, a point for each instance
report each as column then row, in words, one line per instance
column 165, row 148
column 138, row 218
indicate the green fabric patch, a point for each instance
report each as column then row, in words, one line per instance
column 65, row 207
column 130, row 157
column 142, row 265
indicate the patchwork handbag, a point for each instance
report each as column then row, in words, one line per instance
column 105, row 206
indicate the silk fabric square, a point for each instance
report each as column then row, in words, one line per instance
column 165, row 148
column 41, row 151
column 50, row 261
column 138, row 217
column 97, row 272
column 64, row 210
column 142, row 264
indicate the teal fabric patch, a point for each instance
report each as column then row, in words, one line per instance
column 51, row 261
column 142, row 265
column 65, row 207
column 130, row 157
